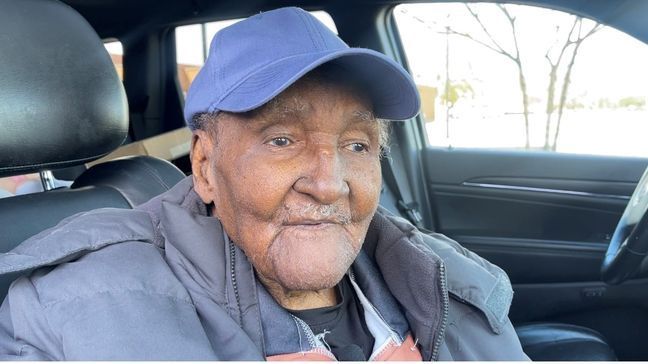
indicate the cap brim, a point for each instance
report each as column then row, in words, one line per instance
column 390, row 88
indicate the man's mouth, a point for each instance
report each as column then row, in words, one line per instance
column 312, row 223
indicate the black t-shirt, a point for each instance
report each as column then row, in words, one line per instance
column 347, row 333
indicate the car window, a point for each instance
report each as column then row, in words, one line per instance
column 116, row 51
column 192, row 45
column 26, row 184
column 20, row 185
column 527, row 78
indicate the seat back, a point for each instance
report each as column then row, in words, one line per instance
column 62, row 104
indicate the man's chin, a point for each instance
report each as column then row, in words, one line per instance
column 314, row 270
column 309, row 281
column 300, row 267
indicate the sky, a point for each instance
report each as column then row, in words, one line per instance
column 609, row 63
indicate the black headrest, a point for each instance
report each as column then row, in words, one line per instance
column 61, row 101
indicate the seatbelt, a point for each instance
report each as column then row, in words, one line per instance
column 394, row 175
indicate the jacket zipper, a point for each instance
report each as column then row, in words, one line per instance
column 232, row 250
column 310, row 336
column 313, row 341
column 392, row 333
column 444, row 318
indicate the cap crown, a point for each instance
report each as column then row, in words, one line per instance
column 259, row 41
column 252, row 61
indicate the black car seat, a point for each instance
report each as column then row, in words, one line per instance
column 62, row 104
column 551, row 341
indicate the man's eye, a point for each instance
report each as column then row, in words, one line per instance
column 280, row 142
column 358, row 147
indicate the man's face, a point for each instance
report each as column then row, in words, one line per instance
column 296, row 184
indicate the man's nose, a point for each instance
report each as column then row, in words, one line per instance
column 324, row 177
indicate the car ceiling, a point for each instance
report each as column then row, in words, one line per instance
column 117, row 18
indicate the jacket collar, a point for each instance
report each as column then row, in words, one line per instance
column 185, row 226
column 213, row 269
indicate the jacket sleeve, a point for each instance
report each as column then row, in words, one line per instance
column 118, row 303
column 24, row 331
column 469, row 337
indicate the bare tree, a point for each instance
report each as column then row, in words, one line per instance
column 551, row 88
column 574, row 40
column 580, row 35
column 514, row 55
column 561, row 56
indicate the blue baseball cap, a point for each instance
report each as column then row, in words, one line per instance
column 254, row 60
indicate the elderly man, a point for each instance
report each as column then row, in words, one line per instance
column 275, row 248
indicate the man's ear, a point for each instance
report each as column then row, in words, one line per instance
column 202, row 154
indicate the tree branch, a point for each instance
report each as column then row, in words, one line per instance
column 568, row 42
column 468, row 36
column 511, row 20
column 592, row 31
column 483, row 27
column 567, row 77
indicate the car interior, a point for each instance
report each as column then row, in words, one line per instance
column 548, row 219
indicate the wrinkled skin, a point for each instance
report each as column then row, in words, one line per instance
column 295, row 186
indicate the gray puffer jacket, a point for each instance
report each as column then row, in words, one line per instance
column 163, row 281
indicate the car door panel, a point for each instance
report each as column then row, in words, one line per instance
column 546, row 219
column 531, row 261
column 541, row 196
column 529, row 211
column 480, row 211
column 457, row 165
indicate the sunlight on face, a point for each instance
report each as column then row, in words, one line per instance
column 298, row 183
